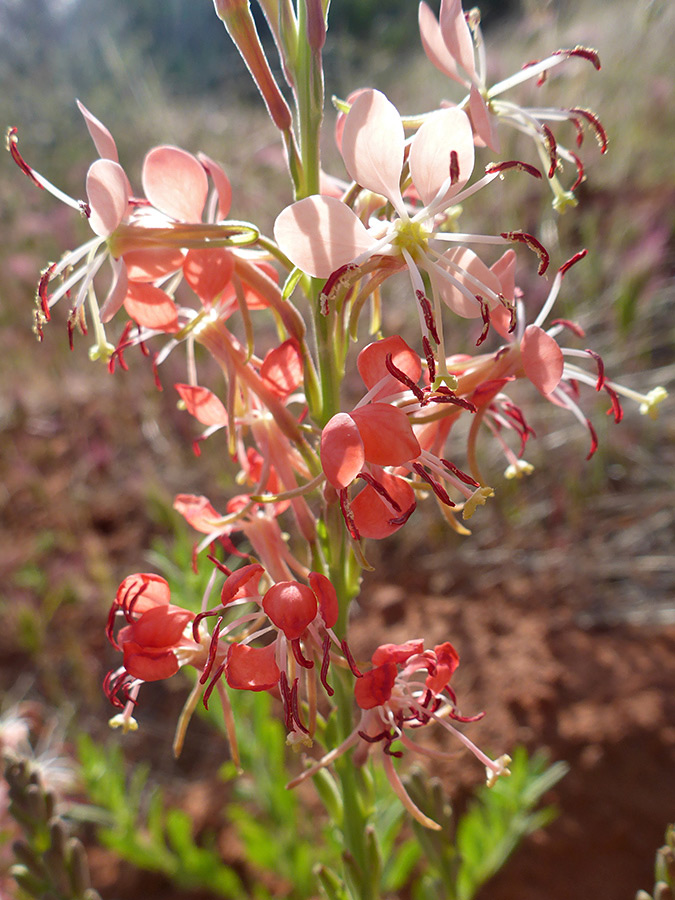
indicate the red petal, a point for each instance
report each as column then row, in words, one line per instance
column 282, row 368
column 251, row 668
column 153, row 263
column 342, row 454
column 371, row 364
column 150, row 589
column 373, row 688
column 373, row 516
column 397, row 653
column 291, row 607
column 159, row 627
column 327, row 597
column 149, row 666
column 387, row 435
column 198, row 512
column 236, row 584
column 208, row 272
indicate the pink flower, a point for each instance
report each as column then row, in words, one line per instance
column 454, row 44
column 407, row 688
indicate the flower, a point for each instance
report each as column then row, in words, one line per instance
column 454, row 44
column 325, row 238
column 407, row 688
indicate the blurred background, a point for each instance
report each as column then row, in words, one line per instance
column 562, row 601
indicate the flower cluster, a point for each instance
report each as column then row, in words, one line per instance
column 320, row 469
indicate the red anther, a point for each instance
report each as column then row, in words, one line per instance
column 110, row 625
column 436, row 487
column 291, row 606
column 600, row 383
column 295, row 708
column 615, row 409
column 375, row 738
column 584, row 52
column 197, row 621
column 213, row 649
column 155, row 374
column 457, row 472
column 499, row 167
column 220, row 566
column 572, row 326
column 401, row 376
column 579, row 129
column 209, row 690
column 522, row 237
column 428, row 315
column 453, row 715
column 454, row 167
column 594, row 439
column 348, row 515
column 596, row 126
column 38, row 326
column 350, row 659
column 551, row 149
column 566, row 266
column 300, row 659
column 403, row 518
column 580, row 171
column 43, row 297
column 339, row 278
column 12, row 146
column 574, row 386
column 511, row 307
column 443, row 394
column 71, row 330
column 380, row 489
column 387, row 749
column 325, row 663
column 431, row 361
column 485, row 314
column 85, row 209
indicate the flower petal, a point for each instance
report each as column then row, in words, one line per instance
column 282, row 368
column 290, row 606
column 372, row 145
column 100, row 135
column 387, row 435
column 149, row 665
column 474, row 275
column 145, row 590
column 373, row 516
column 251, row 668
column 153, row 263
column 151, row 307
column 397, row 653
column 445, row 131
column 434, row 44
column 457, row 35
column 342, row 453
column 175, row 183
column 542, row 359
column 320, row 234
column 372, row 367
column 203, row 404
column 208, row 271
column 108, row 196
column 374, row 688
column 326, row 596
column 482, row 120
column 221, row 182
column 118, row 290
column 198, row 512
column 161, row 626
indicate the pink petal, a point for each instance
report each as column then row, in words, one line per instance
column 203, row 404
column 198, row 512
column 326, row 596
column 387, row 435
column 342, row 453
column 320, row 234
column 476, row 268
column 282, row 368
column 175, row 183
column 221, row 182
column 434, row 45
column 505, row 270
column 151, row 307
column 442, row 133
column 372, row 145
column 208, row 272
column 153, row 263
column 118, row 291
column 103, row 140
column 371, row 364
column 457, row 35
column 108, row 196
column 542, row 359
column 482, row 121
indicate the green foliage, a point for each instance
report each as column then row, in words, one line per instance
column 495, row 823
column 664, row 871
column 140, row 828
